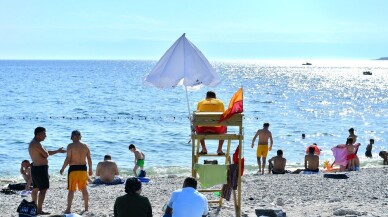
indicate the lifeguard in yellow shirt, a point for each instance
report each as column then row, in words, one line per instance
column 211, row 104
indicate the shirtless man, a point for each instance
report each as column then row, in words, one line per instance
column 262, row 147
column 311, row 161
column 352, row 135
column 107, row 170
column 77, row 153
column 277, row 164
column 39, row 167
column 384, row 155
column 139, row 158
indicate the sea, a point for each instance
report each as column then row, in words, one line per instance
column 108, row 101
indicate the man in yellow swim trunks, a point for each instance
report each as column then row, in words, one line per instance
column 77, row 154
column 262, row 147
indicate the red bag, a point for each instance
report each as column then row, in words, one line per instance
column 235, row 159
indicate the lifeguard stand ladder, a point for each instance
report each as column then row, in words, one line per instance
column 211, row 119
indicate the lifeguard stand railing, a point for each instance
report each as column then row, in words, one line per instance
column 207, row 119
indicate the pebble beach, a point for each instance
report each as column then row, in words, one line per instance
column 364, row 193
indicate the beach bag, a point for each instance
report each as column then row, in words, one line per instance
column 142, row 173
column 235, row 160
column 27, row 209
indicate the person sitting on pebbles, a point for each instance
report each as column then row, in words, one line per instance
column 107, row 172
column 384, row 155
column 277, row 164
column 311, row 161
column 25, row 170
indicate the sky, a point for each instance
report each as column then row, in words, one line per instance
column 222, row 30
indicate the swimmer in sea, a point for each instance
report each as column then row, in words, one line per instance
column 368, row 152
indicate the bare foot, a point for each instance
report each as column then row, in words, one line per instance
column 67, row 212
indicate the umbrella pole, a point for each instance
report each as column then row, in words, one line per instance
column 188, row 106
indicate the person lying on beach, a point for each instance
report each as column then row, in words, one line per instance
column 211, row 104
column 77, row 154
column 187, row 202
column 384, row 155
column 368, row 152
column 139, row 159
column 39, row 168
column 311, row 161
column 107, row 171
column 25, row 170
column 132, row 204
column 277, row 164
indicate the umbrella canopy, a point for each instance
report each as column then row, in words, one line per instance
column 183, row 62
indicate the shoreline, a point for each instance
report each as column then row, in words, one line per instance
column 364, row 193
column 164, row 171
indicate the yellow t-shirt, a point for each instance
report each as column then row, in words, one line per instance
column 210, row 105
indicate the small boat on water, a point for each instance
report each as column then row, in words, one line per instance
column 367, row 73
column 307, row 64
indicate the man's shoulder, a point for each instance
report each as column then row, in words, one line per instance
column 177, row 191
column 219, row 101
column 137, row 196
column 34, row 143
column 103, row 163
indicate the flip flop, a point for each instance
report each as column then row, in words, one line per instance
column 220, row 153
column 203, row 152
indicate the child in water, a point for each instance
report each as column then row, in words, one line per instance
column 351, row 154
column 368, row 152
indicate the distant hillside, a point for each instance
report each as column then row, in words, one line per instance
column 383, row 58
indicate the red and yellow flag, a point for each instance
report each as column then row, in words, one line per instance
column 235, row 106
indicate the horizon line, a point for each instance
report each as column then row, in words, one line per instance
column 226, row 59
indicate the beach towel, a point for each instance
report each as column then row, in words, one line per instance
column 211, row 174
column 25, row 193
column 336, row 175
column 309, row 172
column 17, row 187
column 72, row 215
column 116, row 181
column 232, row 182
column 340, row 155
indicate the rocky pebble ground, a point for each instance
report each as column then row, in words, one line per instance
column 364, row 193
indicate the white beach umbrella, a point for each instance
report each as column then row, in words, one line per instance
column 183, row 63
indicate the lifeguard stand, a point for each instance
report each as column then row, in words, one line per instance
column 212, row 119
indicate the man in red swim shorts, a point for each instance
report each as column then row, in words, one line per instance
column 211, row 104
